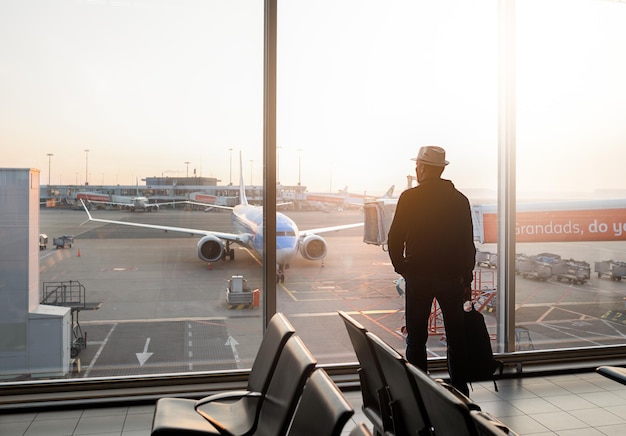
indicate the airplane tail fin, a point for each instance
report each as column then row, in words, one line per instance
column 389, row 193
column 242, row 188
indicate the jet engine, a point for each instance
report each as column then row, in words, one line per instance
column 210, row 248
column 313, row 247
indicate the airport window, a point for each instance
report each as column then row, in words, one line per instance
column 143, row 124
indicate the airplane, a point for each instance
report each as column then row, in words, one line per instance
column 386, row 198
column 248, row 222
column 134, row 204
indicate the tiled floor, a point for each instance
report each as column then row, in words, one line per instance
column 570, row 405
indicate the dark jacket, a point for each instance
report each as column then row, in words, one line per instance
column 431, row 235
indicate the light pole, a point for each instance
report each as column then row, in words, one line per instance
column 86, row 167
column 187, row 163
column 230, row 174
column 299, row 166
column 49, row 165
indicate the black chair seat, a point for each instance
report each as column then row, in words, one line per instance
column 178, row 416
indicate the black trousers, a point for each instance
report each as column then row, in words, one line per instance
column 419, row 294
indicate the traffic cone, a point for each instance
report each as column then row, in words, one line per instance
column 78, row 254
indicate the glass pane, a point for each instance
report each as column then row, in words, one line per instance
column 132, row 105
column 362, row 85
column 571, row 99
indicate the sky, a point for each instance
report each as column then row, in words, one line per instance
column 175, row 87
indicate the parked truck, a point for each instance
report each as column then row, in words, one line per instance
column 64, row 241
column 43, row 241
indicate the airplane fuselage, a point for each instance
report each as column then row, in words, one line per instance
column 248, row 220
column 139, row 203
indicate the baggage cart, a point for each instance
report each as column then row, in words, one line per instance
column 612, row 268
column 238, row 294
column 486, row 259
column 530, row 267
column 575, row 271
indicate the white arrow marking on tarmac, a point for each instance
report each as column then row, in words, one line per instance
column 233, row 345
column 143, row 357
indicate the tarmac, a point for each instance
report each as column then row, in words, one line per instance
column 165, row 311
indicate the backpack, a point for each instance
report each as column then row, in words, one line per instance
column 480, row 364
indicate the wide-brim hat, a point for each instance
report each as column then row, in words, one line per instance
column 432, row 155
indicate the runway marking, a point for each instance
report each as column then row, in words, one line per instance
column 293, row 297
column 580, row 338
column 95, row 358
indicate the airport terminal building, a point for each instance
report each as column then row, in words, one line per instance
column 170, row 189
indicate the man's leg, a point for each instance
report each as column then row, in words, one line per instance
column 450, row 298
column 418, row 304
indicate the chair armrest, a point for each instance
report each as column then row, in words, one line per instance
column 227, row 396
column 616, row 373
column 231, row 415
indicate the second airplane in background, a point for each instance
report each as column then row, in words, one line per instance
column 248, row 222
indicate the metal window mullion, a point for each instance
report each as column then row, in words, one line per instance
column 269, row 160
column 506, row 176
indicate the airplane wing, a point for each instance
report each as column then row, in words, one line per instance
column 232, row 237
column 304, row 233
column 199, row 203
column 163, row 204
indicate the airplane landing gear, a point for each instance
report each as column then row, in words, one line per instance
column 228, row 252
column 280, row 275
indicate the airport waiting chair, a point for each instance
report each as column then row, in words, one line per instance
column 488, row 425
column 278, row 330
column 178, row 416
column 323, row 410
column 295, row 365
column 408, row 413
column 449, row 414
column 373, row 385
column 360, row 430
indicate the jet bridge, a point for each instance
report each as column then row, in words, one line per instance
column 377, row 220
column 378, row 216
